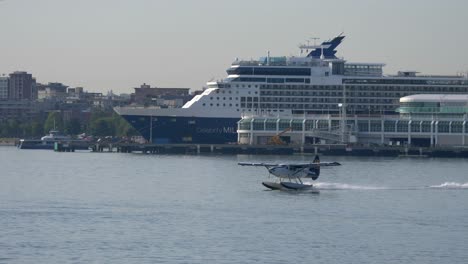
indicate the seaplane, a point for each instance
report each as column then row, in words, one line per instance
column 289, row 175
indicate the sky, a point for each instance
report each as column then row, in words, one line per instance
column 117, row 45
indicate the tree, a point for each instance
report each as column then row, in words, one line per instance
column 73, row 127
column 37, row 129
column 54, row 121
column 102, row 127
column 122, row 127
column 13, row 128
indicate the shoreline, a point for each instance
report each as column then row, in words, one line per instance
column 8, row 142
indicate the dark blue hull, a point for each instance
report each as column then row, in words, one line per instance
column 36, row 146
column 177, row 130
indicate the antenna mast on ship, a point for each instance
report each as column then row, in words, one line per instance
column 312, row 47
column 315, row 40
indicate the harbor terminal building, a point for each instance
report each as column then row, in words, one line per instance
column 423, row 120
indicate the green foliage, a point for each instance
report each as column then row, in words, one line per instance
column 101, row 123
column 73, row 127
column 54, row 121
column 36, row 128
column 102, row 127
column 109, row 124
column 123, row 128
column 17, row 129
column 12, row 128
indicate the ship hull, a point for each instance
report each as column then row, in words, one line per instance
column 178, row 130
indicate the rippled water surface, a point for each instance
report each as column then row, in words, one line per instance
column 132, row 208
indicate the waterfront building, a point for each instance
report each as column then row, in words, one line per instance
column 22, row 86
column 4, row 87
column 424, row 120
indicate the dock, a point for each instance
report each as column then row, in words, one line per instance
column 323, row 149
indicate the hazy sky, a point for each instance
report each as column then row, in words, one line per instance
column 120, row 44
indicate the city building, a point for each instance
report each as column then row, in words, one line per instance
column 75, row 92
column 23, row 110
column 52, row 91
column 164, row 97
column 3, row 88
column 22, row 99
column 22, row 86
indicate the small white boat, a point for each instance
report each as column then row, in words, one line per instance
column 48, row 141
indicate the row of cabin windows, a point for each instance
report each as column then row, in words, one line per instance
column 301, row 87
column 245, row 86
column 230, row 92
column 332, row 93
column 324, row 106
column 378, row 88
column 406, row 88
column 271, row 80
column 301, row 104
column 302, row 93
column 269, row 71
column 224, row 98
column 249, row 99
column 403, row 81
column 224, row 91
column 327, row 97
column 230, row 105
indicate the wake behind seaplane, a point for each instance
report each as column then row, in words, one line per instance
column 290, row 175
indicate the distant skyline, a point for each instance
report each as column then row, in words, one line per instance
column 120, row 44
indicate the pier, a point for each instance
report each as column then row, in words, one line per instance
column 323, row 149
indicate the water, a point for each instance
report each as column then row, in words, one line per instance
column 135, row 208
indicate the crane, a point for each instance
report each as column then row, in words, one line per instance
column 276, row 139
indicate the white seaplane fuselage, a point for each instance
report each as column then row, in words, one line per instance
column 287, row 172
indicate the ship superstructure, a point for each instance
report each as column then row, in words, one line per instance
column 314, row 82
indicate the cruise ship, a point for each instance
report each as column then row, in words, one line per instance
column 316, row 81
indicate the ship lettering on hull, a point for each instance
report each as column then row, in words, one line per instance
column 219, row 130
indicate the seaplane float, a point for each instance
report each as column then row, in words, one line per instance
column 289, row 175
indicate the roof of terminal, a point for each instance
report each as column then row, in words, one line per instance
column 435, row 98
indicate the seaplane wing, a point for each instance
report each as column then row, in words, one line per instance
column 333, row 163
column 295, row 165
column 260, row 164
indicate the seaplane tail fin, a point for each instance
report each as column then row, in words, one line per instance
column 315, row 173
column 315, row 170
column 316, row 159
